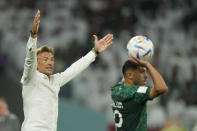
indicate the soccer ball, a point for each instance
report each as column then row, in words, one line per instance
column 140, row 47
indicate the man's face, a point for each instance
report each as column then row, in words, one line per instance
column 45, row 63
column 140, row 76
column 3, row 108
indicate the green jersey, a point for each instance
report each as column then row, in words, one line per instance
column 129, row 107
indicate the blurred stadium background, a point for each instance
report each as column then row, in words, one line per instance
column 68, row 26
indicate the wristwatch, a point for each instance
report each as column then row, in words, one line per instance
column 33, row 33
column 96, row 51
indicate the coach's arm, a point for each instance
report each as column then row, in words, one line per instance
column 31, row 49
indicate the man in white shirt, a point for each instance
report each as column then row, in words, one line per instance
column 41, row 88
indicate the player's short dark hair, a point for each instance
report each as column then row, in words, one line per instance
column 129, row 65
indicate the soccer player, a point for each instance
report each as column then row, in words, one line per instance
column 131, row 95
column 40, row 88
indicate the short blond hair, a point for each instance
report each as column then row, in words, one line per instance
column 45, row 48
column 3, row 100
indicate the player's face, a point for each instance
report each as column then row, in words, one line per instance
column 3, row 108
column 140, row 76
column 45, row 63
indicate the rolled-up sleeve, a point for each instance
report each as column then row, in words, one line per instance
column 74, row 69
column 30, row 60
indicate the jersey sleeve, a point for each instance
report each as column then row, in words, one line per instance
column 138, row 94
column 121, row 93
column 142, row 94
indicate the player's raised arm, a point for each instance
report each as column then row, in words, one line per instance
column 31, row 49
column 160, row 86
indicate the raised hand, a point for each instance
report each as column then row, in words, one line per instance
column 102, row 44
column 139, row 62
column 35, row 24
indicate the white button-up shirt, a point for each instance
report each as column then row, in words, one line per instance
column 40, row 94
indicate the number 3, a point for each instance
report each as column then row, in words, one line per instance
column 119, row 115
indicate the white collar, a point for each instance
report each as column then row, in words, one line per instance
column 44, row 75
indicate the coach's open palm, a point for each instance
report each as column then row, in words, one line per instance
column 36, row 23
column 102, row 44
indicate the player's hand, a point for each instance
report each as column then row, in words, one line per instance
column 102, row 44
column 35, row 24
column 139, row 62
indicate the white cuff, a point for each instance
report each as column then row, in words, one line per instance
column 90, row 56
column 31, row 44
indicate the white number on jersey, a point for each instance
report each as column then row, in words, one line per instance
column 119, row 115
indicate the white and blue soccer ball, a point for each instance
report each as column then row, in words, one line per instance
column 140, row 47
